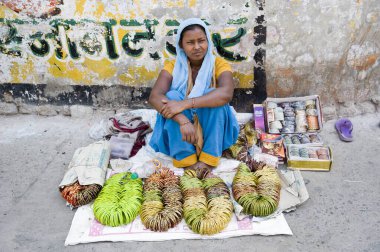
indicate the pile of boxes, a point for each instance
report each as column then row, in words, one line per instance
column 297, row 121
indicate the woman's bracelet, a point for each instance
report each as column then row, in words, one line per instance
column 184, row 123
column 192, row 100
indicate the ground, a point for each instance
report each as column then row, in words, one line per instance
column 342, row 213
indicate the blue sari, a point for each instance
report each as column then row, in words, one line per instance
column 219, row 126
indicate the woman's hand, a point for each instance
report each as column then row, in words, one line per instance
column 188, row 132
column 171, row 108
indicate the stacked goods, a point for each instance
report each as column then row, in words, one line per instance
column 120, row 200
column 257, row 192
column 273, row 145
column 86, row 174
column 313, row 138
column 309, row 157
column 207, row 207
column 162, row 207
column 312, row 115
column 248, row 137
column 79, row 195
column 259, row 118
column 293, row 115
column 298, row 152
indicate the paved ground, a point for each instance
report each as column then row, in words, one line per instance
column 341, row 215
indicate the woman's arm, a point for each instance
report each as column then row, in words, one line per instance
column 221, row 95
column 159, row 90
column 158, row 98
column 159, row 101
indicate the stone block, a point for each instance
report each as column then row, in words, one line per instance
column 346, row 92
column 65, row 110
column 122, row 110
column 18, row 101
column 46, row 110
column 80, row 111
column 348, row 110
column 366, row 107
column 104, row 113
column 8, row 108
column 27, row 109
column 376, row 99
column 8, row 97
column 329, row 113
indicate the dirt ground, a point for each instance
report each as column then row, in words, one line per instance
column 342, row 213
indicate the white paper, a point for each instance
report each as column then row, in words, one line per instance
column 85, row 229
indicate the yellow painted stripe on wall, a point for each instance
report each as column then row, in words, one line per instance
column 22, row 73
column 138, row 76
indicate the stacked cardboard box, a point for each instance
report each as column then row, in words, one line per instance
column 295, row 121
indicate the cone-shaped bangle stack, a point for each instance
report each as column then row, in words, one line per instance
column 79, row 195
column 207, row 206
column 257, row 192
column 162, row 207
column 119, row 202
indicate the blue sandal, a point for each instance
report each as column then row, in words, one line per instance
column 344, row 128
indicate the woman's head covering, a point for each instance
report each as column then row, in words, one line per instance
column 181, row 71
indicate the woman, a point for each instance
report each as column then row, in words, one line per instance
column 195, row 123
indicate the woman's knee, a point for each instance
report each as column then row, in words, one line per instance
column 215, row 110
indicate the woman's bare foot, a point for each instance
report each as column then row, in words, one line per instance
column 191, row 167
column 202, row 169
column 201, row 165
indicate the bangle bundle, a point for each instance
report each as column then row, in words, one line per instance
column 257, row 192
column 299, row 116
column 119, row 201
column 79, row 195
column 207, row 207
column 162, row 207
column 248, row 137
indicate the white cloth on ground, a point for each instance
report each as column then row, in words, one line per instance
column 88, row 165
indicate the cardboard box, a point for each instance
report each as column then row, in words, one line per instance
column 270, row 113
column 309, row 164
column 259, row 117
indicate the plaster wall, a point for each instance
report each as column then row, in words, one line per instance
column 114, row 42
column 325, row 47
column 102, row 53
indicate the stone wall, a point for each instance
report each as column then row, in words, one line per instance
column 325, row 47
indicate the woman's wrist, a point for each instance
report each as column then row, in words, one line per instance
column 187, row 104
column 181, row 119
column 190, row 103
column 183, row 124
